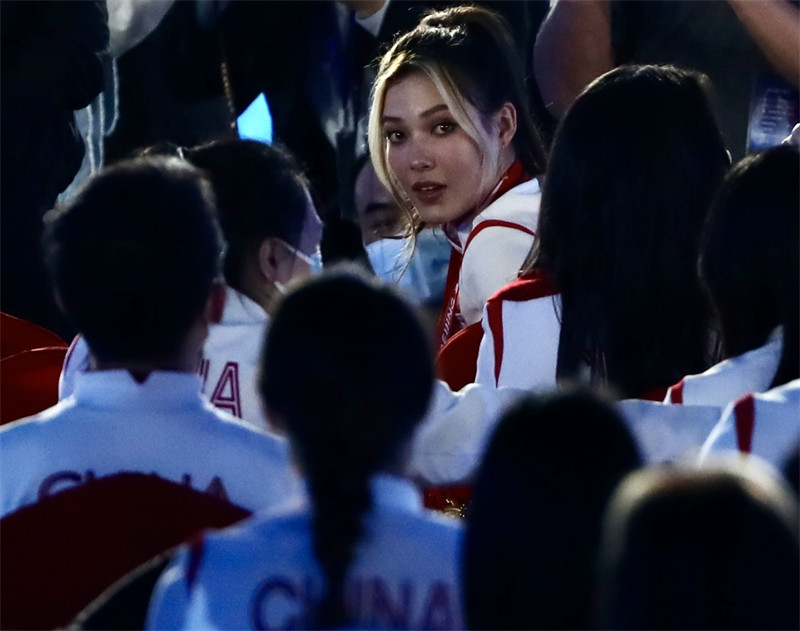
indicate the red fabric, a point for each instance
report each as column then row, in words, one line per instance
column 29, row 382
column 17, row 335
column 656, row 394
column 744, row 410
column 676, row 394
column 455, row 496
column 456, row 363
column 449, row 324
column 61, row 553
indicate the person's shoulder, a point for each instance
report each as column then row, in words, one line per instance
column 518, row 207
column 45, row 421
column 531, row 286
column 286, row 527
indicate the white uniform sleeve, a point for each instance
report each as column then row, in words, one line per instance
column 491, row 261
column 722, row 436
column 666, row 433
column 449, row 443
column 530, row 332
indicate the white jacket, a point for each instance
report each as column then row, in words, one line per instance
column 262, row 573
column 229, row 366
column 113, row 424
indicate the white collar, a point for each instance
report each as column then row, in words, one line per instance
column 117, row 389
column 239, row 309
column 510, row 199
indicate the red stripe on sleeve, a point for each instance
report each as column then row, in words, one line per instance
column 744, row 410
column 494, row 311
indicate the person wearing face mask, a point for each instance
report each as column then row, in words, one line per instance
column 419, row 269
column 451, row 137
column 272, row 232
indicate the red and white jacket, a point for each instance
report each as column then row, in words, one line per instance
column 752, row 371
column 488, row 250
column 766, row 424
column 521, row 328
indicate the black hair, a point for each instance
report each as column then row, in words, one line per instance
column 348, row 369
column 260, row 192
column 633, row 169
column 535, row 519
column 695, row 549
column 750, row 255
column 133, row 257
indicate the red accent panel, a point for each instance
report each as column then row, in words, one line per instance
column 676, row 394
column 530, row 287
column 61, row 553
column 457, row 361
column 494, row 312
column 448, row 324
column 744, row 411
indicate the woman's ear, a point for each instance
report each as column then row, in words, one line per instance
column 506, row 123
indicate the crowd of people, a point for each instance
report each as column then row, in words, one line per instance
column 530, row 359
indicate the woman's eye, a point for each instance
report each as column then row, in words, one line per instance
column 394, row 136
column 442, row 129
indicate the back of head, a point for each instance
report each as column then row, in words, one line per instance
column 133, row 257
column 348, row 372
column 750, row 255
column 469, row 55
column 535, row 517
column 260, row 194
column 633, row 169
column 711, row 549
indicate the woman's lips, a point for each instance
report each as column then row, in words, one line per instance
column 428, row 192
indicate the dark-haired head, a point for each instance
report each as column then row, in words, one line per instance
column 263, row 203
column 709, row 549
column 134, row 256
column 633, row 169
column 750, row 255
column 535, row 518
column 468, row 54
column 347, row 374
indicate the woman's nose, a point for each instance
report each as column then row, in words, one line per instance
column 421, row 160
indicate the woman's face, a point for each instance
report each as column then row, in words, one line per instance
column 435, row 161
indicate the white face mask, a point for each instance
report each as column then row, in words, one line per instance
column 313, row 260
column 388, row 258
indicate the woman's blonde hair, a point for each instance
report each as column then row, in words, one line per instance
column 469, row 56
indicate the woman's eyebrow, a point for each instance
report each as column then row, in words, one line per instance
column 427, row 113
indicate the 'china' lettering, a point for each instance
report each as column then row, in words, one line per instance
column 285, row 602
column 63, row 480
